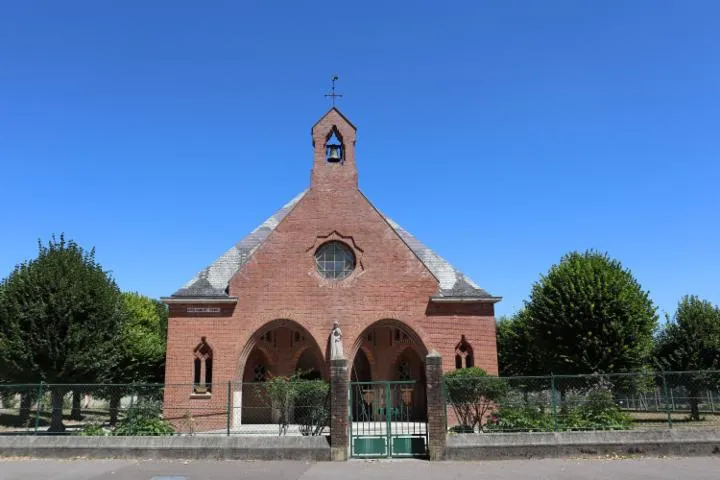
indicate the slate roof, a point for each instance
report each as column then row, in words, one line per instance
column 212, row 281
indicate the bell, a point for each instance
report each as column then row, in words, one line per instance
column 334, row 153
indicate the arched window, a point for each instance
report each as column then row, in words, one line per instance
column 463, row 354
column 202, row 368
column 259, row 373
column 403, row 370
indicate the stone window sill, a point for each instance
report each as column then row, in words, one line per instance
column 201, row 395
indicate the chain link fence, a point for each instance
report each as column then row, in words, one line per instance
column 276, row 407
column 641, row 400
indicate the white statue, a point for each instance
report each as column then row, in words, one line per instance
column 336, row 345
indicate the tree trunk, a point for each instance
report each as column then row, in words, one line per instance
column 76, row 413
column 56, row 419
column 114, row 408
column 694, row 406
column 26, row 401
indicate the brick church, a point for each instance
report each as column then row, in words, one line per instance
column 266, row 307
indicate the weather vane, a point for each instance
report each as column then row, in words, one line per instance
column 334, row 95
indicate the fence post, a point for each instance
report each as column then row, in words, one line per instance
column 672, row 399
column 552, row 401
column 667, row 405
column 443, row 392
column 436, row 403
column 38, row 404
column 339, row 409
column 712, row 401
column 229, row 405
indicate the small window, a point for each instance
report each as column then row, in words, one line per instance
column 202, row 368
column 403, row 371
column 335, row 260
column 259, row 373
column 463, row 354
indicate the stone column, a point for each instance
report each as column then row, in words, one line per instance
column 339, row 384
column 437, row 427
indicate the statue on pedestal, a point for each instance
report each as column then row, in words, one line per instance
column 336, row 345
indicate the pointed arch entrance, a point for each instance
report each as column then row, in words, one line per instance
column 281, row 347
column 388, row 403
column 378, row 348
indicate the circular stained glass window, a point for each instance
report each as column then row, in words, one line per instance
column 335, row 260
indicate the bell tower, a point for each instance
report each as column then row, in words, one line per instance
column 333, row 139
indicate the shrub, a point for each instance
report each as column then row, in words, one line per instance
column 473, row 394
column 91, row 430
column 592, row 410
column 307, row 399
column 143, row 419
column 312, row 406
column 598, row 412
column 527, row 418
column 281, row 393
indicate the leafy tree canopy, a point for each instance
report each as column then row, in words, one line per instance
column 589, row 314
column 59, row 316
column 141, row 345
column 691, row 340
column 517, row 351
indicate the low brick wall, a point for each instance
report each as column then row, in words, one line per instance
column 196, row 447
column 495, row 446
column 698, row 442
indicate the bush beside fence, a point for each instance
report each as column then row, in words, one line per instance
column 639, row 400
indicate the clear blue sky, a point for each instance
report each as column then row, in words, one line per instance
column 501, row 134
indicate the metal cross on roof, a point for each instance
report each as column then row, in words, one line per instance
column 333, row 94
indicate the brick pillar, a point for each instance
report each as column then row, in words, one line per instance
column 339, row 385
column 437, row 428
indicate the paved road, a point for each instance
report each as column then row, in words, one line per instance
column 620, row 469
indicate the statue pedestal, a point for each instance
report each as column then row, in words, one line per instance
column 339, row 385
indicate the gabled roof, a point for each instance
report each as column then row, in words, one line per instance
column 212, row 281
column 335, row 109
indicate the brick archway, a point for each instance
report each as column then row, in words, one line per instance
column 395, row 396
column 282, row 356
column 273, row 350
column 382, row 342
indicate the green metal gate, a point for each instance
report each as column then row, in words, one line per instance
column 388, row 419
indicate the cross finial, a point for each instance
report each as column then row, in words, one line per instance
column 334, row 95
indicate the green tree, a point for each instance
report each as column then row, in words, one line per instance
column 59, row 316
column 143, row 340
column 518, row 354
column 589, row 314
column 139, row 349
column 691, row 342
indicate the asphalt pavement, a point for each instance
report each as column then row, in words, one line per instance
column 576, row 469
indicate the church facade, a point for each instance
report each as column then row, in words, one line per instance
column 268, row 305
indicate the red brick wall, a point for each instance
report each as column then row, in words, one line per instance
column 280, row 281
